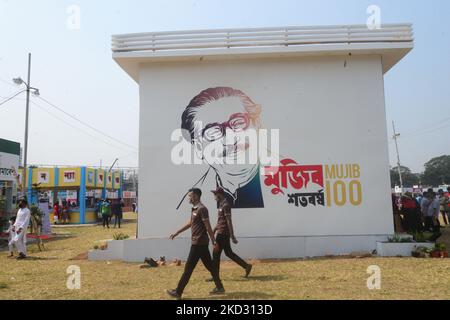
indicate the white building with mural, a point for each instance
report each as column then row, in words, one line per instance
column 319, row 89
column 9, row 171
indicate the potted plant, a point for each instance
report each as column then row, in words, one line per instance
column 421, row 252
column 439, row 251
column 400, row 245
column 120, row 236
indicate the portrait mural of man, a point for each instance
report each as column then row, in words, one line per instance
column 207, row 119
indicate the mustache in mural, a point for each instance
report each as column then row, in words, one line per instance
column 234, row 150
column 250, row 148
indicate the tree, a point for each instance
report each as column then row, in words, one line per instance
column 437, row 171
column 409, row 179
column 36, row 224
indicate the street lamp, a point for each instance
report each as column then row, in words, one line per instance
column 19, row 81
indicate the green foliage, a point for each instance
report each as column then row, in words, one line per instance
column 120, row 236
column 437, row 171
column 440, row 247
column 3, row 224
column 409, row 179
column 36, row 213
column 399, row 239
column 419, row 236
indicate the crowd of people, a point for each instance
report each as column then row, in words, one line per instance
column 109, row 209
column 415, row 213
column 18, row 225
column 105, row 208
column 61, row 212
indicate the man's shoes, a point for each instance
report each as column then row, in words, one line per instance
column 152, row 263
column 174, row 294
column 217, row 291
column 248, row 269
column 21, row 256
column 176, row 262
column 209, row 280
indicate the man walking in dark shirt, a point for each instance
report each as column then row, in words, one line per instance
column 117, row 212
column 225, row 232
column 200, row 228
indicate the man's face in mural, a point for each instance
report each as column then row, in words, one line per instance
column 222, row 124
column 217, row 120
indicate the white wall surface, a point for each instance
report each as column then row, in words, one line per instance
column 330, row 110
column 247, row 248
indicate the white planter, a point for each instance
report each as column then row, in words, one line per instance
column 394, row 249
column 113, row 252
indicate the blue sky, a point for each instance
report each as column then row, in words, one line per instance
column 73, row 69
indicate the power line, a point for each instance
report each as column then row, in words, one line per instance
column 431, row 130
column 11, row 97
column 71, row 125
column 432, row 126
column 15, row 98
column 86, row 124
column 78, row 165
column 428, row 131
column 127, row 155
column 424, row 131
column 7, row 82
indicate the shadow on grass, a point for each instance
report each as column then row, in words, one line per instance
column 249, row 295
column 55, row 238
column 262, row 278
column 30, row 258
column 60, row 237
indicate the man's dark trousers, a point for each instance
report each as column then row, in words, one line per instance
column 196, row 253
column 223, row 243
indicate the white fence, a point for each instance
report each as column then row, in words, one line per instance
column 260, row 37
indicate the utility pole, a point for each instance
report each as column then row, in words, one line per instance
column 135, row 192
column 117, row 159
column 29, row 88
column 25, row 155
column 396, row 135
column 134, row 182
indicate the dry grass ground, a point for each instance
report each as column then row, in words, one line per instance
column 43, row 276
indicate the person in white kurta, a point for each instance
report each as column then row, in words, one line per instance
column 20, row 228
column 11, row 235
